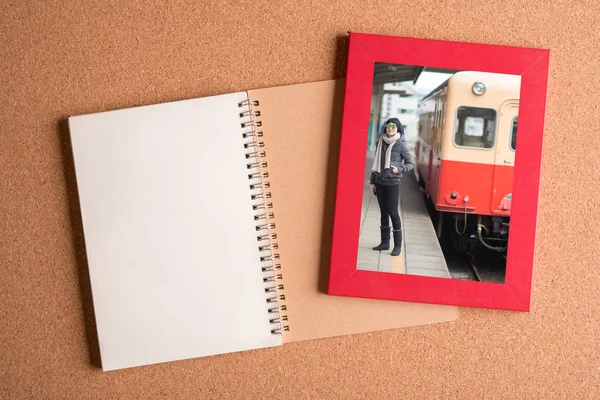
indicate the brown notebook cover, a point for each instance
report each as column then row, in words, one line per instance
column 301, row 126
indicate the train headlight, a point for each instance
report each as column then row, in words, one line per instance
column 479, row 88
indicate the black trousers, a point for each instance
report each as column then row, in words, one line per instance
column 388, row 198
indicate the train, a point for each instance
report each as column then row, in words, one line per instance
column 465, row 156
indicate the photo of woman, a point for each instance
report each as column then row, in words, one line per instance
column 439, row 164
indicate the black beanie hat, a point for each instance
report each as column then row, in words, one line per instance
column 397, row 122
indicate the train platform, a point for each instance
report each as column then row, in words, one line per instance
column 421, row 253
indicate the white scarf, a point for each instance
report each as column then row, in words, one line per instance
column 388, row 154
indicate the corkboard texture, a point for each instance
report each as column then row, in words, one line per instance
column 76, row 57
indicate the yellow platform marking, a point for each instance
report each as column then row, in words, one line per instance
column 398, row 262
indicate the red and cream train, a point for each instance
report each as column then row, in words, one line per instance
column 465, row 154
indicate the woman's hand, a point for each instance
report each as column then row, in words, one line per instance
column 373, row 189
column 394, row 169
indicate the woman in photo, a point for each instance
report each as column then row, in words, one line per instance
column 386, row 174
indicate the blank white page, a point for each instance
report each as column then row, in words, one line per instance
column 169, row 230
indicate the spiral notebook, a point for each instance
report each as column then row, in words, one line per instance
column 207, row 225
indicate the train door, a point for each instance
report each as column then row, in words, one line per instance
column 431, row 162
column 418, row 150
column 436, row 145
column 504, row 160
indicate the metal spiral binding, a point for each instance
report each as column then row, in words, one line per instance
column 266, row 235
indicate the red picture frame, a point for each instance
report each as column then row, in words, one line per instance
column 532, row 65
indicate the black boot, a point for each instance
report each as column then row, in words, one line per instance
column 397, row 242
column 385, row 239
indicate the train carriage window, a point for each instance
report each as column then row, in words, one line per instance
column 475, row 127
column 513, row 136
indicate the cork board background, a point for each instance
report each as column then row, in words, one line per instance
column 75, row 57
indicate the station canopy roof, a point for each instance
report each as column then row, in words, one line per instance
column 387, row 73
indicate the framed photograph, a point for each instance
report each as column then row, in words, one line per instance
column 438, row 175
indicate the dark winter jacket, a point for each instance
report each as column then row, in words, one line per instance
column 400, row 152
